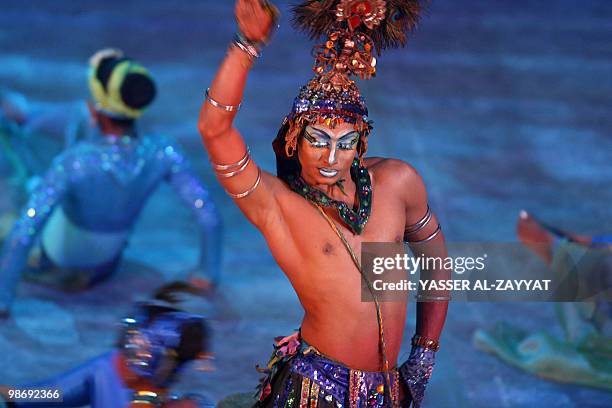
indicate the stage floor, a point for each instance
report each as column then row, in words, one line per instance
column 500, row 105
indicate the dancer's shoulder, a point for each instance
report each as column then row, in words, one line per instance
column 393, row 168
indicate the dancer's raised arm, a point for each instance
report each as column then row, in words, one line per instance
column 251, row 188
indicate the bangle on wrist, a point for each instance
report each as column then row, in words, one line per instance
column 252, row 49
column 425, row 342
column 431, row 298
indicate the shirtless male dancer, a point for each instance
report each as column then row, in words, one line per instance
column 325, row 200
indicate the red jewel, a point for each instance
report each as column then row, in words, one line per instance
column 358, row 10
column 361, row 8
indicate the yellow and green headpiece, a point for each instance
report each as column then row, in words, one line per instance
column 120, row 87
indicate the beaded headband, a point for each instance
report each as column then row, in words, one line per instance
column 353, row 30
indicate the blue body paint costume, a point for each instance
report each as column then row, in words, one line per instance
column 87, row 203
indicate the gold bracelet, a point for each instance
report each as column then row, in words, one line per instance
column 235, row 172
column 427, row 343
column 429, row 238
column 250, row 190
column 228, row 108
column 431, row 298
column 419, row 225
column 146, row 398
column 232, row 166
column 253, row 50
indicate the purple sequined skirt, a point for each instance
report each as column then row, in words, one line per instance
column 300, row 377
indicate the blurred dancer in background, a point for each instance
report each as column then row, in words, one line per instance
column 12, row 115
column 33, row 132
column 87, row 203
column 584, row 354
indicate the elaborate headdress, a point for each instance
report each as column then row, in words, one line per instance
column 353, row 29
column 121, row 87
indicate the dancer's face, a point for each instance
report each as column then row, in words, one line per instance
column 326, row 154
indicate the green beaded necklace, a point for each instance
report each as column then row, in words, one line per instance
column 355, row 220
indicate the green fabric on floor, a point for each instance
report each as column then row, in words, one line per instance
column 584, row 354
column 546, row 356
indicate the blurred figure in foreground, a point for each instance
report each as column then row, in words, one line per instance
column 156, row 343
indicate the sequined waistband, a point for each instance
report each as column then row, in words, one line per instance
column 323, row 377
column 306, row 348
column 334, row 380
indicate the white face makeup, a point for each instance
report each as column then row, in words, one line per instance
column 326, row 139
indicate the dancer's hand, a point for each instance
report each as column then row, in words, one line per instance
column 256, row 19
column 415, row 373
column 203, row 284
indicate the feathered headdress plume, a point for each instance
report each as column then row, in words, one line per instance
column 393, row 19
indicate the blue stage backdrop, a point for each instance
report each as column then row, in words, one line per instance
column 500, row 105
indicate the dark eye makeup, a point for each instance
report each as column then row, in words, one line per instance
column 315, row 141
